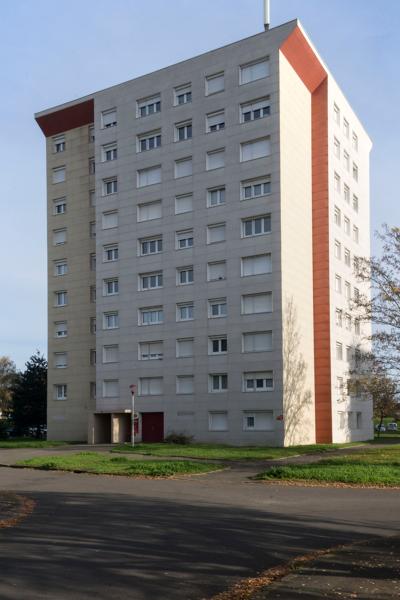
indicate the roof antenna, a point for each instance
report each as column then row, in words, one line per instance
column 266, row 15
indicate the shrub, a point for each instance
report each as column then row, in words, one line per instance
column 178, row 438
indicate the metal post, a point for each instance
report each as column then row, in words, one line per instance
column 266, row 14
column 132, row 388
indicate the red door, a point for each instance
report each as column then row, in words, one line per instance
column 152, row 427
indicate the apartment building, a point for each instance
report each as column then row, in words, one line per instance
column 203, row 221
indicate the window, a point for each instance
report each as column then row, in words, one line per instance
column 151, row 281
column 258, row 341
column 256, row 226
column 355, row 203
column 183, row 167
column 150, row 386
column 255, row 188
column 184, row 275
column 338, row 284
column 92, row 198
column 109, row 219
column 339, row 351
column 151, row 316
column 60, row 267
column 92, row 293
column 252, row 111
column 215, row 159
column 218, row 382
column 338, row 216
column 59, row 175
column 254, row 70
column 255, row 149
column 91, row 132
column 336, row 114
column 149, row 141
column 59, row 236
column 111, row 320
column 346, row 193
column 92, row 261
column 256, row 265
column 216, row 233
column 92, row 229
column 253, row 304
column 217, row 308
column 183, row 203
column 356, row 293
column 215, row 121
column 110, row 287
column 111, row 353
column 355, row 141
column 92, row 325
column 337, row 183
column 149, row 211
column 60, row 360
column 355, row 172
column 184, row 239
column 336, row 148
column 153, row 245
column 347, row 225
column 60, row 329
column 151, row 350
column 110, row 186
column 339, row 317
column 347, row 322
column 111, row 388
column 215, row 83
column 347, row 257
column 346, row 128
column 357, row 327
column 185, row 384
column 109, row 152
column 60, row 391
column 92, row 357
column 349, row 353
column 258, row 421
column 184, row 347
column 359, row 420
column 218, row 421
column 216, row 197
column 59, row 206
column 148, row 106
column 149, row 176
column 217, row 344
column 110, row 253
column 59, row 144
column 338, row 250
column 356, row 234
column 183, row 94
column 183, row 131
column 346, row 160
column 92, row 166
column 109, row 118
column 60, row 298
column 347, row 290
column 258, row 382
column 216, row 271
column 185, row 311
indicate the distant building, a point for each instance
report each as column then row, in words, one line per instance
column 202, row 225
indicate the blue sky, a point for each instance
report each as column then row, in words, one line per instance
column 56, row 51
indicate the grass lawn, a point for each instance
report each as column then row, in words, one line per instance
column 30, row 443
column 215, row 451
column 92, row 462
column 370, row 466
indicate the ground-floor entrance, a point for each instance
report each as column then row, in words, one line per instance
column 152, row 427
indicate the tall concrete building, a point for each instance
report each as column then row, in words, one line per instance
column 202, row 226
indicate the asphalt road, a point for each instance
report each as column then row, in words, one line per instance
column 109, row 538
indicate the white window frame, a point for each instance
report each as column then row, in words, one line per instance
column 269, row 297
column 189, row 279
column 151, row 310
column 243, row 68
column 105, row 122
column 145, row 173
column 151, row 104
column 185, row 236
column 60, row 267
column 149, row 354
column 60, row 203
column 59, row 171
column 110, row 186
column 60, row 391
column 210, row 154
column 109, row 152
column 60, row 329
column 253, row 144
column 219, row 124
column 220, row 194
column 219, row 339
column 157, row 240
column 185, row 305
column 186, row 127
column 212, row 427
column 150, row 281
column 110, row 253
column 57, row 296
column 141, row 207
column 222, row 379
column 221, row 227
column 183, row 91
column 253, row 414
column 254, row 334
column 220, row 302
column 152, row 140
column 258, row 375
column 108, row 315
column 181, row 161
column 264, row 183
column 213, row 263
column 183, row 197
column 109, row 347
column 59, row 144
column 115, row 286
column 107, row 214
column 265, row 220
column 211, row 78
column 257, row 109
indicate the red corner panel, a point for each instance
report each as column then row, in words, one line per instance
column 67, row 118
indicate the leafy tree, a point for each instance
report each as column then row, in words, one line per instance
column 29, row 397
column 7, row 378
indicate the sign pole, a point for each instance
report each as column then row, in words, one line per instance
column 132, row 388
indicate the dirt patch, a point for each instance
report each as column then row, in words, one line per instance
column 14, row 508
